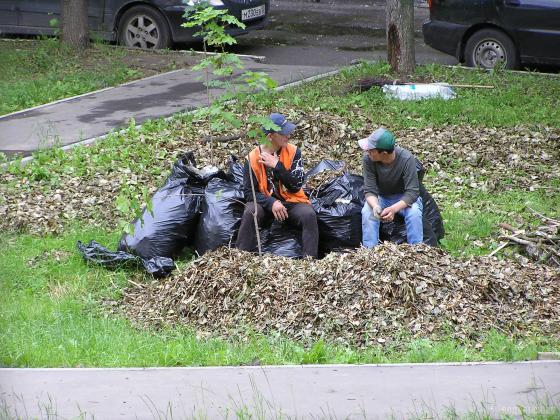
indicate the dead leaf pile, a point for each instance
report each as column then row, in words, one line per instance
column 462, row 157
column 42, row 210
column 360, row 297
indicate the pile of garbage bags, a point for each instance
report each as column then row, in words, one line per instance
column 203, row 209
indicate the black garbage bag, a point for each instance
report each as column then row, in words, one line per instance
column 432, row 223
column 395, row 231
column 325, row 165
column 432, row 213
column 176, row 208
column 222, row 211
column 420, row 170
column 235, row 170
column 95, row 253
column 338, row 206
column 281, row 238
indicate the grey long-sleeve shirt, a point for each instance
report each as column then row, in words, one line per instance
column 399, row 177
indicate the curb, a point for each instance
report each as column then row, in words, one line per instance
column 525, row 72
column 261, row 367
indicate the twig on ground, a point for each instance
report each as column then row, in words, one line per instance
column 502, row 246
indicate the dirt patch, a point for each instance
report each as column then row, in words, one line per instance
column 157, row 62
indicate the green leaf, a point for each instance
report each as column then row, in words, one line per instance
column 123, row 205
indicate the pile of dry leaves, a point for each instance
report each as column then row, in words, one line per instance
column 463, row 158
column 361, row 297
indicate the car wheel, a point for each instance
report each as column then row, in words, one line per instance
column 488, row 48
column 144, row 27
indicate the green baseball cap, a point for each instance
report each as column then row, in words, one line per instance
column 381, row 139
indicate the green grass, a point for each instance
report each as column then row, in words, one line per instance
column 472, row 226
column 515, row 99
column 50, row 316
column 50, row 308
column 37, row 72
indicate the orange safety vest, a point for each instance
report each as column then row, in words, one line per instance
column 287, row 154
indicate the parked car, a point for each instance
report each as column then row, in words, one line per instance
column 484, row 33
column 145, row 24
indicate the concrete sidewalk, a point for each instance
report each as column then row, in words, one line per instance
column 95, row 114
column 329, row 391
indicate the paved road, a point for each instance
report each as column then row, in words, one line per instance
column 330, row 32
column 374, row 391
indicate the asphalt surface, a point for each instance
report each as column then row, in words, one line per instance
column 370, row 391
column 303, row 39
column 331, row 32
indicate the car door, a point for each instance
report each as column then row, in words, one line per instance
column 8, row 13
column 39, row 13
column 536, row 25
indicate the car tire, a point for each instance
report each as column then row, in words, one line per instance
column 488, row 47
column 144, row 27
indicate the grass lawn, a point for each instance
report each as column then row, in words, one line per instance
column 50, row 312
column 35, row 72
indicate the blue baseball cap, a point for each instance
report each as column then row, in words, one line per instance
column 286, row 127
column 380, row 139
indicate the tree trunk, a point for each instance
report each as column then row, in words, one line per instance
column 400, row 36
column 74, row 23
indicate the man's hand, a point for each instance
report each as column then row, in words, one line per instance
column 269, row 160
column 279, row 211
column 375, row 207
column 388, row 214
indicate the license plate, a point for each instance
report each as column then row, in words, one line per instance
column 253, row 13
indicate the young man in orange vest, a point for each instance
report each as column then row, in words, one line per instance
column 278, row 175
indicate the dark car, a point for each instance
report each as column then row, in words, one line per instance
column 145, row 24
column 483, row 33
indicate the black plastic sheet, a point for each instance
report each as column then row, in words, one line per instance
column 97, row 254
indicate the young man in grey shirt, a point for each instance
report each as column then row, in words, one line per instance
column 391, row 187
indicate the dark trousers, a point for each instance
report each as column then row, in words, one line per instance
column 299, row 214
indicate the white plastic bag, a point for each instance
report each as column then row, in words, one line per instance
column 419, row 91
